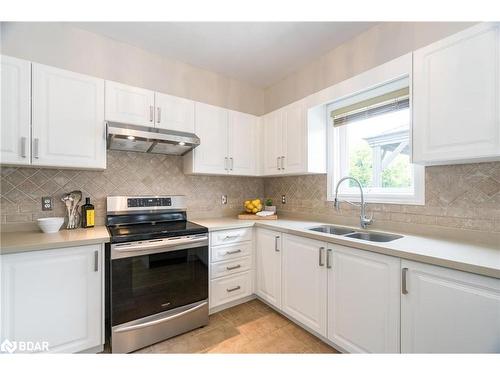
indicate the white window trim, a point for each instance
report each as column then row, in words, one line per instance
column 395, row 69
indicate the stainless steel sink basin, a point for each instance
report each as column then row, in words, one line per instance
column 332, row 229
column 374, row 236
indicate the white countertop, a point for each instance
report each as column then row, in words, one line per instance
column 469, row 257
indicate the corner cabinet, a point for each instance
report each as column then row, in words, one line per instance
column 294, row 141
column 448, row 311
column 54, row 296
column 228, row 142
column 68, row 128
column 268, row 249
column 15, row 111
column 456, row 98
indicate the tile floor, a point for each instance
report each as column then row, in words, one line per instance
column 252, row 327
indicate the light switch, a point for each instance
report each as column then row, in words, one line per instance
column 46, row 203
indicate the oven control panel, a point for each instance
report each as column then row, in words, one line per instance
column 149, row 202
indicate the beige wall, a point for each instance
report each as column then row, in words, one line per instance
column 81, row 51
column 375, row 46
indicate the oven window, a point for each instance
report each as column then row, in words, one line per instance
column 149, row 284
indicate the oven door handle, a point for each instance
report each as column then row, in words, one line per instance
column 160, row 244
column 158, row 321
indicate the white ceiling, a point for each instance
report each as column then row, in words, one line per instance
column 260, row 53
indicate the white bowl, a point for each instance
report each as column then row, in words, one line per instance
column 50, row 224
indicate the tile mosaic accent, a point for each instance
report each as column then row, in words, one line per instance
column 457, row 196
column 127, row 174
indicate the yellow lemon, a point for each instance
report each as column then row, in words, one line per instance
column 255, row 210
column 247, row 202
column 259, row 207
column 250, row 206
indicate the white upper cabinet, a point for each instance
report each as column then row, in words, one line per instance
column 174, row 113
column 268, row 250
column 242, row 143
column 129, row 105
column 294, row 142
column 363, row 300
column 54, row 296
column 456, row 98
column 304, row 275
column 15, row 111
column 210, row 157
column 68, row 128
column 448, row 311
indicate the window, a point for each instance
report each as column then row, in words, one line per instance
column 370, row 136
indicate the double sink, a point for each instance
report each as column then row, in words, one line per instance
column 348, row 232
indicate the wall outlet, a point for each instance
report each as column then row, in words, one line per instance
column 283, row 199
column 46, row 203
column 223, row 199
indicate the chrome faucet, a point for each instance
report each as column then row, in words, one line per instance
column 364, row 221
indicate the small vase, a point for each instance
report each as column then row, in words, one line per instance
column 270, row 208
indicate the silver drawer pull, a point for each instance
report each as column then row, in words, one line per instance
column 233, row 289
column 233, row 252
column 233, row 268
column 233, row 236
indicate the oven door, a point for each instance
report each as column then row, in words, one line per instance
column 152, row 277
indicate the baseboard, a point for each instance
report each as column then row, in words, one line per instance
column 93, row 350
column 216, row 309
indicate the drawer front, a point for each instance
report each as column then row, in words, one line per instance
column 230, row 288
column 221, row 253
column 224, row 237
column 230, row 267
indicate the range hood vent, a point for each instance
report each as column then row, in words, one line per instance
column 124, row 137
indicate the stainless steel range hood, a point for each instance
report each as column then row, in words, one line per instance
column 124, row 137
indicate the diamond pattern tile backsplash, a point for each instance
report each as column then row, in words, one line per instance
column 458, row 196
column 126, row 174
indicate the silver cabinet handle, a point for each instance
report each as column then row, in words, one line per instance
column 276, row 243
column 320, row 256
column 96, row 261
column 233, row 267
column 283, row 163
column 151, row 113
column 233, row 252
column 158, row 115
column 404, row 271
column 233, row 289
column 23, row 147
column 328, row 258
column 278, row 163
column 35, row 148
column 231, row 164
column 225, row 163
column 231, row 236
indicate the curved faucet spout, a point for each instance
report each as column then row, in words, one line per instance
column 364, row 221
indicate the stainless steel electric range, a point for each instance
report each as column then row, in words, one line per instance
column 157, row 271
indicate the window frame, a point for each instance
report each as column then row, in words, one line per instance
column 383, row 75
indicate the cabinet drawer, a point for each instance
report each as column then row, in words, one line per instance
column 230, row 288
column 218, row 254
column 230, row 267
column 231, row 236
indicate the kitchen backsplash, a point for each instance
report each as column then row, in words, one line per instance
column 463, row 196
column 126, row 174
column 457, row 196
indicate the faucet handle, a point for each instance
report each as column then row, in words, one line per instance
column 336, row 204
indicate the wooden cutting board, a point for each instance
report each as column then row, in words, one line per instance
column 246, row 216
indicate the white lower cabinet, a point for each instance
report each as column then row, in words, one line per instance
column 304, row 275
column 448, row 311
column 268, row 266
column 54, row 296
column 363, row 300
column 228, row 289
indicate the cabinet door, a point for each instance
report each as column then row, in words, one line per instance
column 211, row 126
column 449, row 311
column 54, row 296
column 363, row 300
column 268, row 268
column 304, row 281
column 456, row 91
column 68, row 126
column 16, row 111
column 242, row 140
column 174, row 113
column 129, row 105
column 294, row 156
column 273, row 138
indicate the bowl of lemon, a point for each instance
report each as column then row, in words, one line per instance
column 253, row 206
